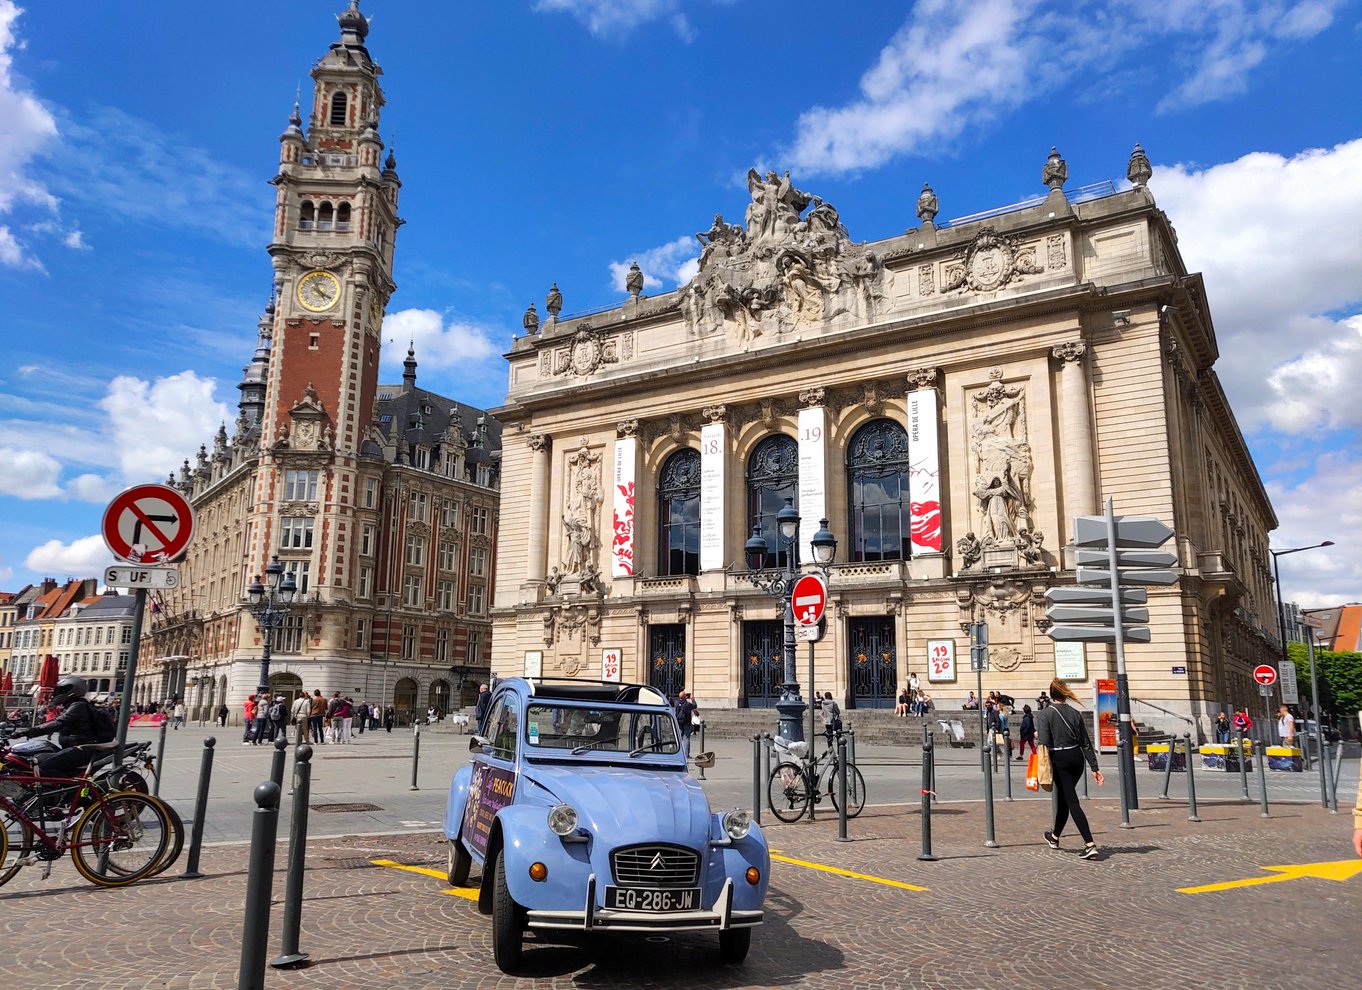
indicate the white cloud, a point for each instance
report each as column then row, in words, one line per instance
column 438, row 344
column 1279, row 242
column 951, row 66
column 1326, row 505
column 95, row 488
column 80, row 558
column 28, row 474
column 75, row 240
column 616, row 18
column 26, row 127
column 153, row 425
column 672, row 264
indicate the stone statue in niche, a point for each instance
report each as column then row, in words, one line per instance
column 969, row 549
column 1003, row 463
column 784, row 271
column 581, row 518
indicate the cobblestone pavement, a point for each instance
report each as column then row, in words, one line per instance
column 1013, row 917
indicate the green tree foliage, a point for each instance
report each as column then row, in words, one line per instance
column 1340, row 678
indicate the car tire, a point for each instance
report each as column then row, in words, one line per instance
column 507, row 929
column 460, row 863
column 734, row 943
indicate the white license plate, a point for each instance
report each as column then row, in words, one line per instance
column 651, row 899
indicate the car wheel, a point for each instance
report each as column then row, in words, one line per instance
column 507, row 931
column 459, row 863
column 734, row 943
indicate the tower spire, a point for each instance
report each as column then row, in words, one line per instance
column 409, row 368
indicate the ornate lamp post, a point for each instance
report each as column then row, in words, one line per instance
column 780, row 586
column 269, row 604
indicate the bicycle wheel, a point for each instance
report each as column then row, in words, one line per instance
column 787, row 792
column 120, row 839
column 17, row 843
column 855, row 791
column 174, row 842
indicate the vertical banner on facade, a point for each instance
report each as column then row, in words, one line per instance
column 622, row 540
column 713, row 450
column 813, row 431
column 924, row 471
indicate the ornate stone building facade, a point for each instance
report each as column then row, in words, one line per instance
column 950, row 399
column 382, row 500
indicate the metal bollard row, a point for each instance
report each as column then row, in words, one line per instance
column 990, row 839
column 928, row 788
column 1192, row 815
column 191, row 871
column 756, row 778
column 841, row 789
column 1243, row 768
column 1262, row 771
column 415, row 755
column 160, row 761
column 259, row 881
column 290, row 956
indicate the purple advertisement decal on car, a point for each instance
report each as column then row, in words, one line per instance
column 490, row 790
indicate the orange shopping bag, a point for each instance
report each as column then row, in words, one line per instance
column 1033, row 772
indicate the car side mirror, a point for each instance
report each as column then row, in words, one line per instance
column 704, row 761
column 477, row 743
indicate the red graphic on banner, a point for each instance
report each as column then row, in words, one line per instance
column 622, row 546
column 926, row 529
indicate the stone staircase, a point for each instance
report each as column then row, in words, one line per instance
column 877, row 727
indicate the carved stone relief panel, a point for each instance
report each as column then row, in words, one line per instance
column 1001, row 460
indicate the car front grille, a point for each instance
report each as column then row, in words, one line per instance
column 655, row 866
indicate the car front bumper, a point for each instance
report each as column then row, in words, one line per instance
column 720, row 917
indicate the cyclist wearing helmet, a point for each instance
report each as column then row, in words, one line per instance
column 76, row 727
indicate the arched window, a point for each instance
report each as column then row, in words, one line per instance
column 307, row 213
column 772, row 477
column 338, row 109
column 877, row 492
column 325, row 212
column 678, row 514
column 343, row 217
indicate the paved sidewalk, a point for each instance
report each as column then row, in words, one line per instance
column 987, row 918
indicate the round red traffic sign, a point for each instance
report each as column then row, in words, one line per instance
column 148, row 524
column 1265, row 674
column 808, row 599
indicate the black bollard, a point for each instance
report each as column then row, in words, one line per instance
column 277, row 762
column 928, row 771
column 191, row 871
column 160, row 760
column 756, row 778
column 1007, row 780
column 1243, row 768
column 297, row 853
column 1168, row 767
column 851, row 745
column 415, row 755
column 702, row 746
column 842, row 769
column 990, row 841
column 1125, row 791
column 255, row 931
column 1191, row 782
column 1262, row 772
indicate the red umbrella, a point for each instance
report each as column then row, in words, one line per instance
column 7, row 687
column 47, row 678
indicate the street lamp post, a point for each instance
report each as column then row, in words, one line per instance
column 780, row 586
column 269, row 604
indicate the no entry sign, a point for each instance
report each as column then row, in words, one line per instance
column 148, row 524
column 808, row 599
column 1265, row 674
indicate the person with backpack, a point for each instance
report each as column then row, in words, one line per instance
column 832, row 719
column 79, row 724
column 1064, row 732
column 1028, row 733
column 278, row 718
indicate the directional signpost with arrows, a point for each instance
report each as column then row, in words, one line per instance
column 1114, row 553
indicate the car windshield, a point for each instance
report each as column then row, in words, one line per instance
column 592, row 728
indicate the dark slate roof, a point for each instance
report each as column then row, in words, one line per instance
column 422, row 417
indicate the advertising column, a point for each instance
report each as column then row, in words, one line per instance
column 622, row 518
column 924, row 469
column 813, row 432
column 713, row 450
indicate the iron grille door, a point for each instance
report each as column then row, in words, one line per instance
column 763, row 662
column 667, row 658
column 874, row 664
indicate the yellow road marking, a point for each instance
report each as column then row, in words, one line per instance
column 846, row 873
column 1340, row 870
column 468, row 893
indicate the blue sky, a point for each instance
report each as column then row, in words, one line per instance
column 557, row 140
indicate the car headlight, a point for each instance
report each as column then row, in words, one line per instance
column 562, row 819
column 737, row 823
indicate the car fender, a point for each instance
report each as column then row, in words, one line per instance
column 458, row 800
column 525, row 839
column 736, row 858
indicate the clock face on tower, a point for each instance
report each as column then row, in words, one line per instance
column 318, row 291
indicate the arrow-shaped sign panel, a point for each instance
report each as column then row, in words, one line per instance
column 1135, row 531
column 1079, row 613
column 1095, row 596
column 1128, row 558
column 1097, row 634
column 1099, row 576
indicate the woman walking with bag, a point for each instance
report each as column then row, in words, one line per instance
column 1063, row 733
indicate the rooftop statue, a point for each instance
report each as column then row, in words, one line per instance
column 787, row 269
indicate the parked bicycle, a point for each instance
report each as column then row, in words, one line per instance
column 798, row 783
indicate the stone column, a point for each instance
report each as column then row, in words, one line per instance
column 536, row 557
column 1075, row 424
